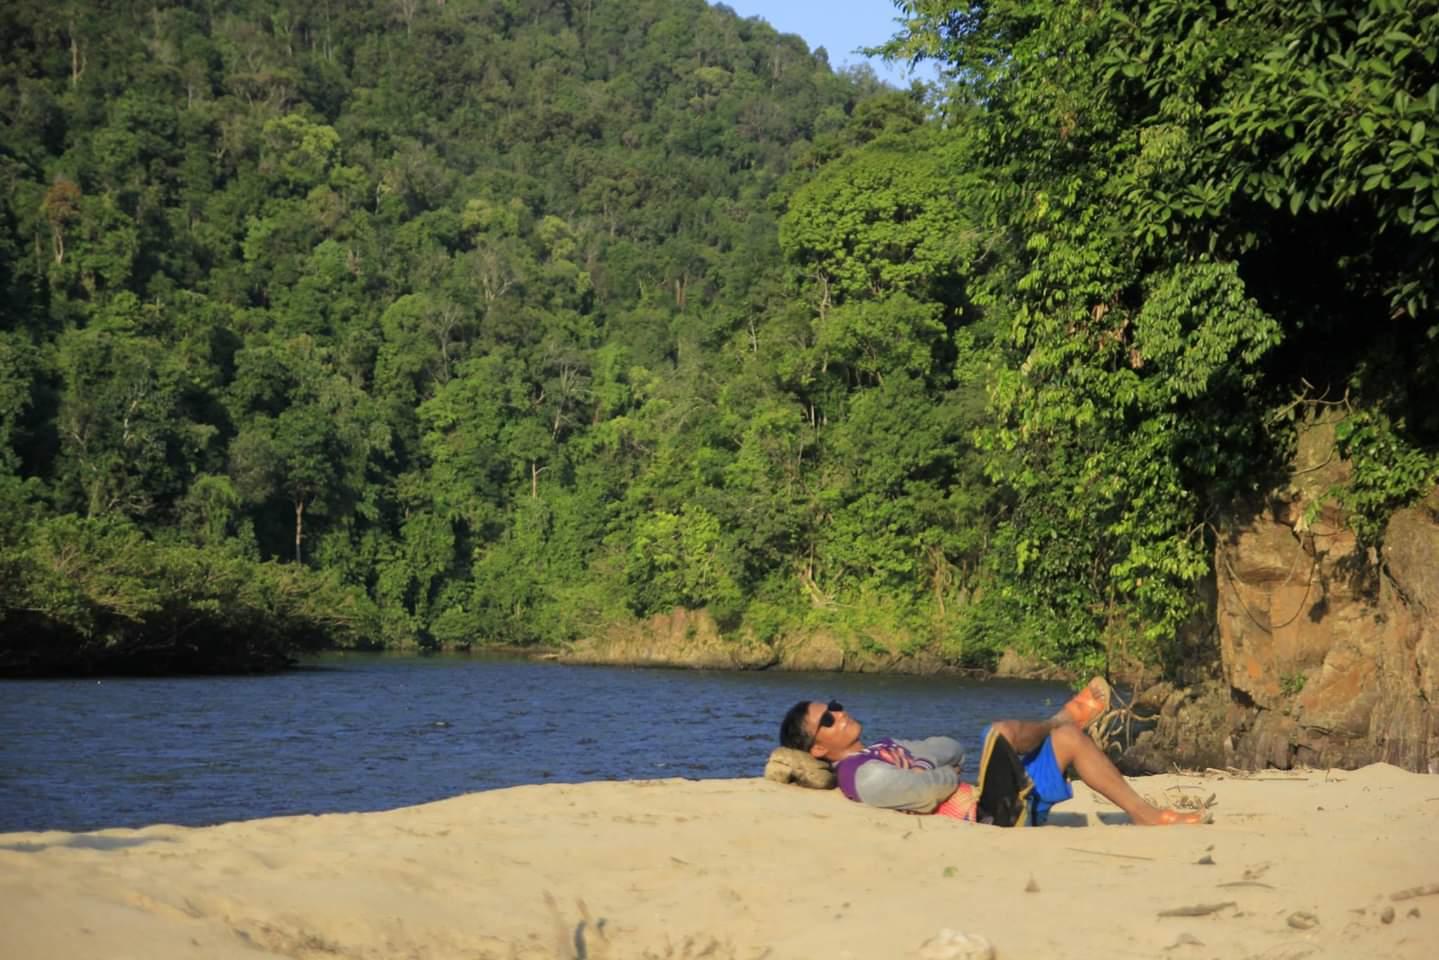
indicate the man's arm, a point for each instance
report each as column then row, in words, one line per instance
column 940, row 751
column 880, row 784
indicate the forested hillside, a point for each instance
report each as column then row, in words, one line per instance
column 499, row 321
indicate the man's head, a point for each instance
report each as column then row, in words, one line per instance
column 822, row 730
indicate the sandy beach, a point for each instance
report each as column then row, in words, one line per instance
column 1295, row 865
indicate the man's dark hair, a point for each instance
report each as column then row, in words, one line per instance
column 791, row 731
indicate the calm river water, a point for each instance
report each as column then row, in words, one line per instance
column 373, row 732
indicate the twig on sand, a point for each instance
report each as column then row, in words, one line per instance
column 1258, row 777
column 1427, row 890
column 1299, row 779
column 1177, row 797
column 1105, row 853
column 1248, row 883
column 1198, row 909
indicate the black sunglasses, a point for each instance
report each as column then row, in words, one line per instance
column 826, row 719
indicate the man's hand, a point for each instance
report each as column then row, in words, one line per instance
column 896, row 758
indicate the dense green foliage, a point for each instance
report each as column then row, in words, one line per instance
column 498, row 321
column 1208, row 210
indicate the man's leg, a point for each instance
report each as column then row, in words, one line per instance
column 1073, row 748
column 1026, row 735
column 1081, row 710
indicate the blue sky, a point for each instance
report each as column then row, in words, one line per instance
column 837, row 25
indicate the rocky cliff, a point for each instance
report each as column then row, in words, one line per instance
column 1329, row 653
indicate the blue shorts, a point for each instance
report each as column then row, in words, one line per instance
column 1050, row 785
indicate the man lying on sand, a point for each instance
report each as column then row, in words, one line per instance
column 922, row 776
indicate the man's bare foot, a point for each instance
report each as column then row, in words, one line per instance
column 1087, row 705
column 1156, row 817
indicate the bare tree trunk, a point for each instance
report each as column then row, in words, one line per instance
column 77, row 58
column 299, row 528
column 940, row 576
column 407, row 10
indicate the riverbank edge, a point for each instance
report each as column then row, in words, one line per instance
column 691, row 639
column 680, row 639
column 795, row 656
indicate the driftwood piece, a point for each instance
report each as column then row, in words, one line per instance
column 1105, row 853
column 1427, row 890
column 1197, row 909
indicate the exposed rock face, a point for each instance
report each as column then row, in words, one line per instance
column 681, row 638
column 1329, row 654
column 1187, row 726
column 1405, row 720
column 819, row 650
column 1014, row 664
column 1338, row 656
